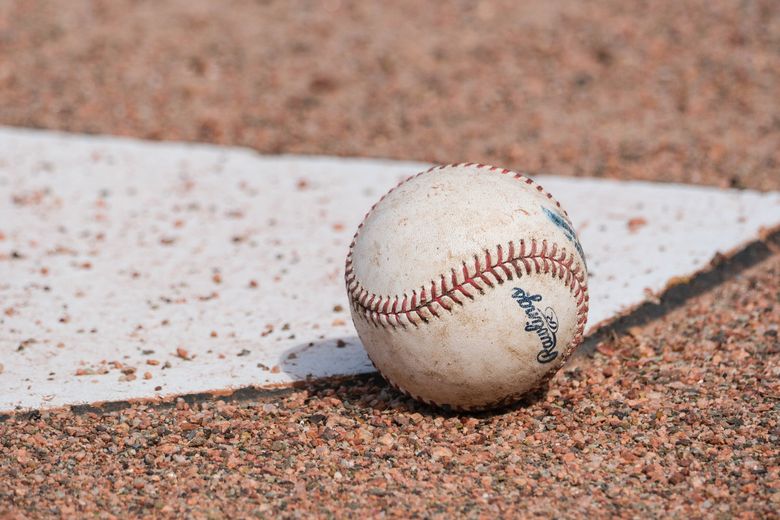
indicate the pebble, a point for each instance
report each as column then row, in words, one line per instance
column 440, row 452
column 386, row 440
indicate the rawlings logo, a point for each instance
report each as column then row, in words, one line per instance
column 544, row 324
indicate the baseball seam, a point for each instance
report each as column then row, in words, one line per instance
column 464, row 282
column 490, row 268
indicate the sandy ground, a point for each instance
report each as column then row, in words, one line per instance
column 678, row 418
column 662, row 90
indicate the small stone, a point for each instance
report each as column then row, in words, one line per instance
column 387, row 440
column 636, row 223
column 364, row 435
column 317, row 418
column 441, row 452
column 198, row 440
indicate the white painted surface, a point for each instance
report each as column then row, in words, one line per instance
column 117, row 243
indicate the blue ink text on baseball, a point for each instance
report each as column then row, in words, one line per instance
column 543, row 323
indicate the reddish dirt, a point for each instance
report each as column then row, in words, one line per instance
column 665, row 90
column 678, row 418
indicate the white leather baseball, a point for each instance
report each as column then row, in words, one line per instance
column 468, row 287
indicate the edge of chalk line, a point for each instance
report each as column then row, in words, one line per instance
column 721, row 268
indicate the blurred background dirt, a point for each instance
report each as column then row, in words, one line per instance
column 662, row 90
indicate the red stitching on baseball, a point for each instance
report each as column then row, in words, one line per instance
column 543, row 261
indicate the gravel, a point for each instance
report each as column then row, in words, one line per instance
column 662, row 90
column 678, row 418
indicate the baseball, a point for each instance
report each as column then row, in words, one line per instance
column 468, row 286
